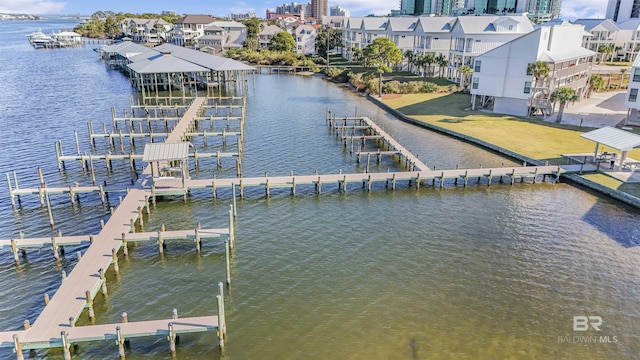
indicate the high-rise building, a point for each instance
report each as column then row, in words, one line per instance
column 541, row 11
column 338, row 11
column 498, row 7
column 623, row 10
column 415, row 7
column 319, row 8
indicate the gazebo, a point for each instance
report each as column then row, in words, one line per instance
column 169, row 159
column 615, row 138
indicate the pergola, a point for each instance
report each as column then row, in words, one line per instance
column 169, row 158
column 615, row 138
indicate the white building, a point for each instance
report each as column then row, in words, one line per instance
column 401, row 30
column 189, row 28
column 475, row 35
column 266, row 34
column 599, row 32
column 631, row 101
column 305, row 36
column 501, row 79
column 623, row 10
column 433, row 35
column 146, row 30
column 338, row 11
column 351, row 38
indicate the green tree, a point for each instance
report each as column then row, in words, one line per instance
column 539, row 70
column 622, row 72
column 442, row 62
column 563, row 95
column 465, row 73
column 253, row 28
column 328, row 37
column 251, row 43
column 381, row 54
column 409, row 55
column 282, row 41
column 596, row 83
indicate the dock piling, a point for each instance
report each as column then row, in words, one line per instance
column 120, row 342
column 89, row 305
column 65, row 345
column 172, row 339
column 17, row 347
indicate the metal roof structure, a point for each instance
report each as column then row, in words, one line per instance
column 215, row 63
column 165, row 151
column 618, row 139
column 165, row 63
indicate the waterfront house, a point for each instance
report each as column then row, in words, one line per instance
column 401, row 30
column 433, row 35
column 305, row 36
column 631, row 102
column 189, row 28
column 351, row 38
column 475, row 35
column 68, row 38
column 501, row 82
column 266, row 34
column 599, row 32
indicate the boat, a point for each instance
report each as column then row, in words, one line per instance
column 40, row 40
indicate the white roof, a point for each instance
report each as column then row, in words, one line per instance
column 618, row 139
column 165, row 63
column 165, row 151
column 568, row 54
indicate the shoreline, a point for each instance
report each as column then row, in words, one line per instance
column 623, row 197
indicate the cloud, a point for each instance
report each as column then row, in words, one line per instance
column 31, row 6
column 583, row 9
column 366, row 7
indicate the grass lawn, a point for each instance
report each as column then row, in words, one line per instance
column 533, row 138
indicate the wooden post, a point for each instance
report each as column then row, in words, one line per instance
column 197, row 239
column 114, row 260
column 125, row 249
column 125, row 317
column 221, row 332
column 13, row 203
column 466, row 177
column 64, row 275
column 65, row 345
column 103, row 281
column 231, row 231
column 46, row 299
column 140, row 216
column 233, row 193
column 441, row 180
column 489, row 177
column 172, row 339
column 92, row 315
column 535, row 175
column 160, row 242
column 226, row 254
column 14, row 250
column 222, row 321
column 120, row 342
column 54, row 247
column 27, row 325
column 51, row 222
column 17, row 347
column 293, row 185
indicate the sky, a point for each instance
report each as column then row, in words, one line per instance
column 571, row 9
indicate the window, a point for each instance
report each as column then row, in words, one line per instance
column 633, row 95
column 527, row 87
column 477, row 66
column 474, row 84
column 636, row 75
column 529, row 70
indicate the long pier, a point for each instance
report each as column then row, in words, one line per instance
column 55, row 326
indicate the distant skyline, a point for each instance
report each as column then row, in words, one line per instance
column 571, row 9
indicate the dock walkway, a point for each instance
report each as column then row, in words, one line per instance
column 54, row 327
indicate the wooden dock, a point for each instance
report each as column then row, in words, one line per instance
column 55, row 326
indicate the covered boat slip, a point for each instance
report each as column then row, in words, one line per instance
column 169, row 67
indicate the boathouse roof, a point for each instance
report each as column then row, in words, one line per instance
column 165, row 151
column 616, row 138
column 213, row 62
column 163, row 63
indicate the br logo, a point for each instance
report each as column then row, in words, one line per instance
column 582, row 323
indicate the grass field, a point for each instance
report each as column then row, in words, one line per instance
column 533, row 138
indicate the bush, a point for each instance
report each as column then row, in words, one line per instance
column 429, row 87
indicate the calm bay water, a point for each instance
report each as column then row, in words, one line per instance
column 456, row 273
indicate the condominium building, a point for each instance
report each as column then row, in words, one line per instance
column 503, row 83
column 623, row 10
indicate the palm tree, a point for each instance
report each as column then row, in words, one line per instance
column 622, row 71
column 409, row 56
column 418, row 61
column 428, row 60
column 465, row 71
column 442, row 62
column 596, row 83
column 563, row 95
column 539, row 70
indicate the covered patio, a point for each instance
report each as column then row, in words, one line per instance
column 618, row 139
column 171, row 161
